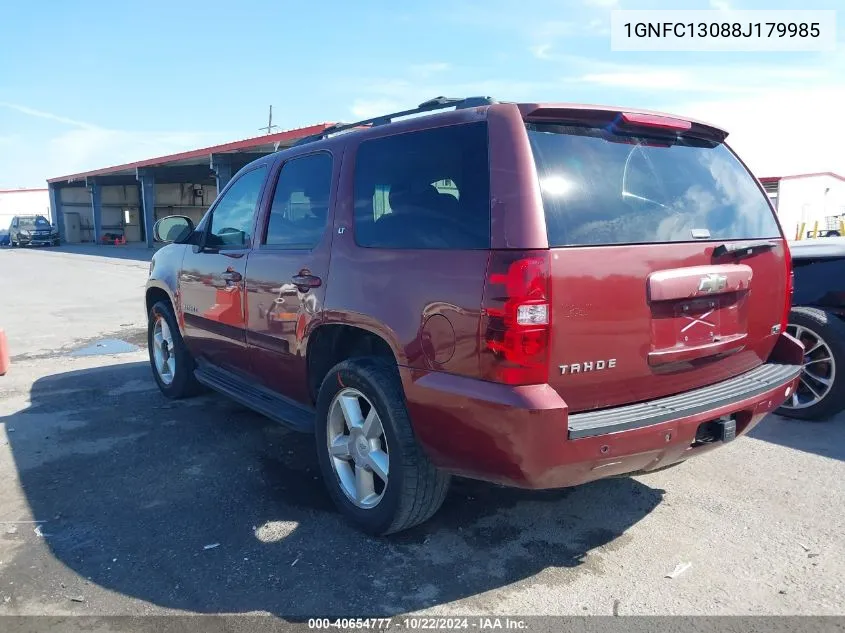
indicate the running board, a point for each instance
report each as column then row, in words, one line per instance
column 260, row 399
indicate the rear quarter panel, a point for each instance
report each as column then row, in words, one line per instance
column 517, row 214
column 396, row 293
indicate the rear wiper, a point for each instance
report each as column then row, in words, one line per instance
column 742, row 249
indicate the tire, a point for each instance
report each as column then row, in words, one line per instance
column 414, row 489
column 813, row 326
column 180, row 381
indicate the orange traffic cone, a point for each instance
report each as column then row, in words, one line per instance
column 4, row 354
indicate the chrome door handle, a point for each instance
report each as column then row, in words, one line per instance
column 306, row 281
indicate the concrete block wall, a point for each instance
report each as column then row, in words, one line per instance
column 78, row 200
column 75, row 195
column 121, row 195
column 179, row 199
column 118, row 201
column 121, row 206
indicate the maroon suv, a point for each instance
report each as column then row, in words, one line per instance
column 538, row 295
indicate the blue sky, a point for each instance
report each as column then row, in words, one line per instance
column 95, row 83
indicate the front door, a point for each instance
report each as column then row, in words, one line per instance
column 212, row 279
column 287, row 274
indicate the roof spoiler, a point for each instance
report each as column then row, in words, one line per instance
column 624, row 121
column 432, row 105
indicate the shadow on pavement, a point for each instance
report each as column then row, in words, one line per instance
column 822, row 438
column 128, row 252
column 134, row 487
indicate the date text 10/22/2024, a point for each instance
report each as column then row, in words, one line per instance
column 418, row 623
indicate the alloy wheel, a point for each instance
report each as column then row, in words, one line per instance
column 357, row 448
column 164, row 353
column 819, row 369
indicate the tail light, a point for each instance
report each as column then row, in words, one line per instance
column 516, row 318
column 790, row 286
column 657, row 121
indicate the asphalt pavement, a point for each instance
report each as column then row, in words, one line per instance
column 116, row 501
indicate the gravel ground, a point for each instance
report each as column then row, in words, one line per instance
column 149, row 506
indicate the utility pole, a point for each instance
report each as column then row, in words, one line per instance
column 269, row 127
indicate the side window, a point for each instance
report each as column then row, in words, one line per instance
column 424, row 190
column 232, row 218
column 301, row 202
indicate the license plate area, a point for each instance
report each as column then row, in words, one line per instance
column 697, row 311
column 687, row 329
column 697, row 322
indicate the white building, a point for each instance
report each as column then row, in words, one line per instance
column 22, row 202
column 808, row 199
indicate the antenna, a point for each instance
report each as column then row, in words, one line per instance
column 269, row 127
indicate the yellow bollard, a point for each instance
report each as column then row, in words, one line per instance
column 816, row 229
column 800, row 235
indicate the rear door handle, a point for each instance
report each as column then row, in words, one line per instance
column 231, row 276
column 306, row 281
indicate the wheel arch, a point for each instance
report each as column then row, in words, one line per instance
column 159, row 291
column 826, row 329
column 332, row 342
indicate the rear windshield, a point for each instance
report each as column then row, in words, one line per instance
column 599, row 188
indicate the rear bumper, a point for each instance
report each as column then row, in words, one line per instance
column 523, row 436
column 746, row 386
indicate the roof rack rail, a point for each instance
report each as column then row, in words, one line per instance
column 438, row 103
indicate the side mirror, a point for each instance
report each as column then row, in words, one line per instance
column 173, row 229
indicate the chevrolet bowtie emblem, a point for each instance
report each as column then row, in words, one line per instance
column 712, row 283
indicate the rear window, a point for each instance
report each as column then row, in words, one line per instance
column 424, row 190
column 599, row 188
